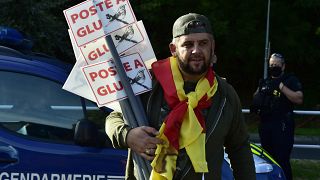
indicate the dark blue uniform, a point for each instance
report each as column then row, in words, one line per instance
column 276, row 129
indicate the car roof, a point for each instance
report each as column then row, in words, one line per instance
column 34, row 64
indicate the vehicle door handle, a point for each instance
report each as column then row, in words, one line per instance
column 8, row 160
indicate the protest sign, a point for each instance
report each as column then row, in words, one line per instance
column 123, row 39
column 93, row 19
column 76, row 82
column 106, row 85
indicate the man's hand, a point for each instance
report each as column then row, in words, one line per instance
column 281, row 86
column 142, row 140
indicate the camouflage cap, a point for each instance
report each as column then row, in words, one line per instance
column 191, row 23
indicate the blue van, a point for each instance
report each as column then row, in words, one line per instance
column 43, row 128
column 47, row 133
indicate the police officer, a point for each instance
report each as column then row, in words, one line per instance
column 274, row 101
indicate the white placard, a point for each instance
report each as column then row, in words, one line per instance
column 124, row 39
column 76, row 82
column 93, row 19
column 105, row 83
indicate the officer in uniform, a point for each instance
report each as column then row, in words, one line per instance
column 274, row 102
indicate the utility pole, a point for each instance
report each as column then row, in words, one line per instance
column 267, row 46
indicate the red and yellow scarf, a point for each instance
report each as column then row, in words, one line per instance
column 184, row 127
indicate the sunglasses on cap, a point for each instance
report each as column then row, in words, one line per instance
column 196, row 24
column 277, row 55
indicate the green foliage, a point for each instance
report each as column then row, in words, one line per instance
column 318, row 31
column 305, row 125
column 308, row 132
column 239, row 29
column 43, row 21
column 305, row 169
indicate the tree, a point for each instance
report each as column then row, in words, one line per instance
column 239, row 29
column 43, row 21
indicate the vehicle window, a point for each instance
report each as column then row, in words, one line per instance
column 39, row 107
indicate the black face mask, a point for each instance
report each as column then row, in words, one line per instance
column 275, row 71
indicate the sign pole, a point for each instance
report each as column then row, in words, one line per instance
column 128, row 114
column 135, row 102
column 267, row 46
column 138, row 117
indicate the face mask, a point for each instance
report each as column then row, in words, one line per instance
column 275, row 71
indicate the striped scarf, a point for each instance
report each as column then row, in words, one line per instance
column 184, row 127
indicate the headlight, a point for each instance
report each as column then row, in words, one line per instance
column 261, row 165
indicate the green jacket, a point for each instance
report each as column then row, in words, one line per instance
column 225, row 128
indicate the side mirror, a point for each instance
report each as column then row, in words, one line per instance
column 86, row 133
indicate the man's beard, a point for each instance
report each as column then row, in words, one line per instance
column 186, row 67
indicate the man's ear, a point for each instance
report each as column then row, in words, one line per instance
column 214, row 59
column 173, row 49
column 213, row 47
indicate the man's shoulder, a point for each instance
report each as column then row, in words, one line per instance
column 222, row 81
column 290, row 77
column 221, row 78
column 225, row 87
column 292, row 81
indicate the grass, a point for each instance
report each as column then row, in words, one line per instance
column 307, row 131
column 305, row 126
column 305, row 169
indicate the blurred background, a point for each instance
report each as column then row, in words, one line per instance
column 239, row 29
column 240, row 32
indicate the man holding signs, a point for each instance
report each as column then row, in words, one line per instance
column 193, row 113
column 101, row 31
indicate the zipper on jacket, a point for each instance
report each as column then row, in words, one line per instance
column 214, row 127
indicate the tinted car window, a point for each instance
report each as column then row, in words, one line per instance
column 38, row 107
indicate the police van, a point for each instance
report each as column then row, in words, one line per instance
column 47, row 133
